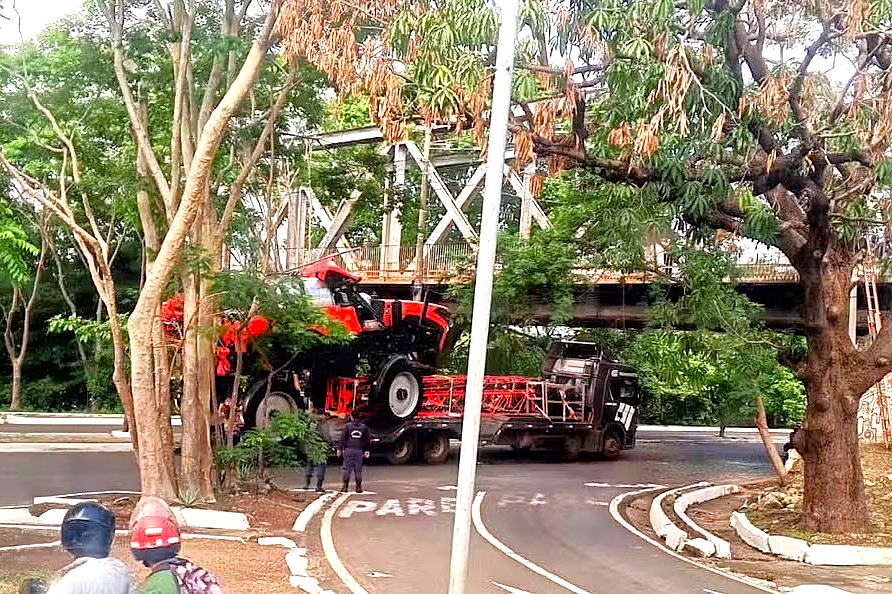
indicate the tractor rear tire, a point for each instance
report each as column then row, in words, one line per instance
column 401, row 393
column 262, row 407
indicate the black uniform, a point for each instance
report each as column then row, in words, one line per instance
column 354, row 445
column 315, row 468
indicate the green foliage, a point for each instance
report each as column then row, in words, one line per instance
column 290, row 438
column 282, row 300
column 17, row 252
column 86, row 331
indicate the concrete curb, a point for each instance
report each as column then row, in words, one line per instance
column 188, row 517
column 693, row 429
column 62, row 438
column 298, row 565
column 35, row 418
column 665, row 528
column 799, row 550
column 721, row 547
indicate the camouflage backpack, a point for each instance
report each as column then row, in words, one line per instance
column 192, row 579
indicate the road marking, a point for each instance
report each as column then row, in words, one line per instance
column 614, row 511
column 487, row 535
column 511, row 589
column 623, row 485
column 379, row 574
column 708, row 591
column 300, row 524
column 331, row 554
column 447, row 488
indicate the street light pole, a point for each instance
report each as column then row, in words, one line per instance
column 486, row 257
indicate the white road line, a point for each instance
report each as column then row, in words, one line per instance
column 331, row 553
column 300, row 524
column 487, row 535
column 614, row 511
column 623, row 485
column 511, row 589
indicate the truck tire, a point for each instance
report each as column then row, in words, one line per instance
column 262, row 407
column 401, row 393
column 403, row 451
column 613, row 445
column 436, row 448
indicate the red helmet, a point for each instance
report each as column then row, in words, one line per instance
column 153, row 525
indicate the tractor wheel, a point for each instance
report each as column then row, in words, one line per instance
column 403, row 451
column 401, row 394
column 262, row 407
column 436, row 448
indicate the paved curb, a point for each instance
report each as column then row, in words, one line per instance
column 188, row 517
column 720, row 548
column 298, row 564
column 698, row 429
column 665, row 528
column 35, row 418
column 799, row 550
column 62, row 438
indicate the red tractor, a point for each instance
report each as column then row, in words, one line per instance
column 396, row 342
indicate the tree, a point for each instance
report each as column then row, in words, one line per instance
column 679, row 113
column 24, row 302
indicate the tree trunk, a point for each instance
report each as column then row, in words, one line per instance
column 835, row 500
column 834, row 497
column 154, row 471
column 190, row 405
column 765, row 434
column 16, row 402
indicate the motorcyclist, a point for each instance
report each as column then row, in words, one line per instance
column 354, row 447
column 88, row 530
column 155, row 542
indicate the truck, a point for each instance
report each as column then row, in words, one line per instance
column 585, row 402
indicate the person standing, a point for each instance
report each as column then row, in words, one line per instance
column 314, row 467
column 354, row 449
column 88, row 530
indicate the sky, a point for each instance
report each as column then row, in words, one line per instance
column 35, row 15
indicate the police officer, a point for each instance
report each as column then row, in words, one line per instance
column 354, row 448
column 315, row 468
column 88, row 530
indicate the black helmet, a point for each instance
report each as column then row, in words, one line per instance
column 88, row 530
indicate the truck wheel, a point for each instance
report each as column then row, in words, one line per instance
column 613, row 445
column 403, row 451
column 262, row 407
column 436, row 448
column 572, row 447
column 401, row 393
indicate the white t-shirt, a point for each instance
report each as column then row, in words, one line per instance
column 95, row 576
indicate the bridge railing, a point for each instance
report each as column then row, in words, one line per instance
column 451, row 262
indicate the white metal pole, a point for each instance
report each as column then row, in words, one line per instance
column 486, row 257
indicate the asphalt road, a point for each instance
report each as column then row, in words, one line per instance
column 548, row 523
column 552, row 517
column 24, row 476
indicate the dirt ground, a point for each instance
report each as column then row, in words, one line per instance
column 243, row 567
